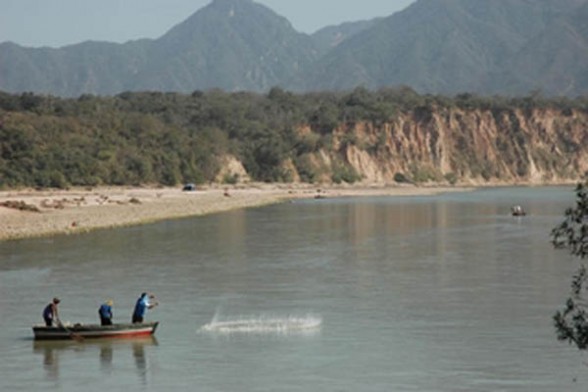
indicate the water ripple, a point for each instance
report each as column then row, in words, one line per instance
column 261, row 325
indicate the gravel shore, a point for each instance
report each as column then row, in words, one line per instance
column 37, row 213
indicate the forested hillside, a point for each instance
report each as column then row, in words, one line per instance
column 392, row 135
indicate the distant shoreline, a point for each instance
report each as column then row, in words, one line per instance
column 30, row 213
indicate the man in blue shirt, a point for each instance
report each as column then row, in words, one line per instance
column 143, row 303
column 105, row 312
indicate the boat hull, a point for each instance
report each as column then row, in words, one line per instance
column 94, row 331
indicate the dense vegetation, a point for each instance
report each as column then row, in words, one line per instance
column 572, row 234
column 171, row 138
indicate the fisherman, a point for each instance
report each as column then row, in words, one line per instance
column 143, row 303
column 105, row 312
column 50, row 312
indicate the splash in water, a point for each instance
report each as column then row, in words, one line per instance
column 284, row 325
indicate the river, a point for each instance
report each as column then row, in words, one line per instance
column 435, row 293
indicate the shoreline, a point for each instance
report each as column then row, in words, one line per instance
column 30, row 213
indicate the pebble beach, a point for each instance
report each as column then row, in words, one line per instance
column 37, row 213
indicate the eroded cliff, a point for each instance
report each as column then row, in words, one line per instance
column 508, row 146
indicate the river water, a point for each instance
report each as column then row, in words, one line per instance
column 437, row 293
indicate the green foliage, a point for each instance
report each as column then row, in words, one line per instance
column 326, row 118
column 265, row 156
column 348, row 139
column 571, row 323
column 231, row 179
column 380, row 144
column 170, row 138
column 362, row 105
column 572, row 233
column 306, row 170
column 420, row 174
column 344, row 173
column 401, row 178
column 451, row 178
column 307, row 143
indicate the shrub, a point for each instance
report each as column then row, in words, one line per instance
column 451, row 178
column 231, row 178
column 401, row 178
column 344, row 173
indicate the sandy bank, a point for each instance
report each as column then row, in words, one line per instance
column 81, row 210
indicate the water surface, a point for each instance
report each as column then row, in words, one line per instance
column 437, row 293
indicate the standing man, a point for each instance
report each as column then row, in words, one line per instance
column 50, row 312
column 105, row 312
column 143, row 303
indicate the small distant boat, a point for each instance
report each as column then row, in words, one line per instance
column 93, row 331
column 517, row 211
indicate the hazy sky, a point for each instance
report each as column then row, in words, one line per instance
column 62, row 22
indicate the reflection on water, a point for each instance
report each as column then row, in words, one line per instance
column 106, row 357
column 54, row 352
column 140, row 361
column 50, row 363
column 445, row 293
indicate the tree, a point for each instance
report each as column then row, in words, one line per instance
column 572, row 234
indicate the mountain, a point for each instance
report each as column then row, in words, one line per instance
column 555, row 61
column 331, row 36
column 89, row 67
column 229, row 44
column 439, row 46
column 433, row 46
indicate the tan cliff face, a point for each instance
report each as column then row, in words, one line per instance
column 459, row 146
column 466, row 140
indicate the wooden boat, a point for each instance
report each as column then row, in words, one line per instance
column 93, row 331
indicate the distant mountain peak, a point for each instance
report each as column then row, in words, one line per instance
column 231, row 3
column 220, row 12
column 231, row 7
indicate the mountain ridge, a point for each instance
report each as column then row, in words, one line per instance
column 433, row 46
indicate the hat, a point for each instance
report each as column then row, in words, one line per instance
column 56, row 300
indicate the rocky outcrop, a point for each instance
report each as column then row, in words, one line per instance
column 231, row 170
column 510, row 146
column 441, row 145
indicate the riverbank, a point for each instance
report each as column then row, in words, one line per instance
column 32, row 213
